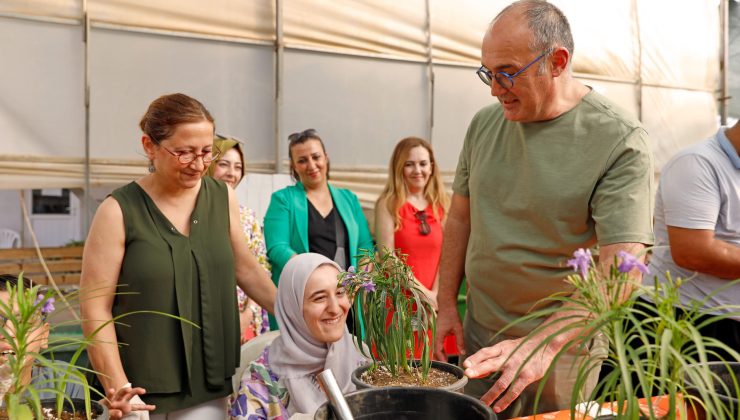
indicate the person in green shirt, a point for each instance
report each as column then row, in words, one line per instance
column 552, row 167
column 312, row 215
column 170, row 243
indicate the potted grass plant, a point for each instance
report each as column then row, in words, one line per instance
column 655, row 348
column 26, row 392
column 395, row 322
column 32, row 384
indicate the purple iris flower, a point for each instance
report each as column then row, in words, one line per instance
column 48, row 305
column 369, row 286
column 581, row 261
column 630, row 262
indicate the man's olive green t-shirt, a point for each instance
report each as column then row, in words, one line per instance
column 539, row 191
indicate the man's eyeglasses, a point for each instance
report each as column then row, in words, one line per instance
column 187, row 157
column 302, row 135
column 504, row 79
column 424, row 227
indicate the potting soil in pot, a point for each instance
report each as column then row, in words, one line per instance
column 50, row 414
column 435, row 379
column 74, row 412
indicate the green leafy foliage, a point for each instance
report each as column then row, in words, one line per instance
column 390, row 310
column 25, row 312
column 654, row 343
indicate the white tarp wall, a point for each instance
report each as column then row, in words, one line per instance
column 355, row 70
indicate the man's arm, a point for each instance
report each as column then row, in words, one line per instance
column 692, row 203
column 699, row 250
column 508, row 356
column 451, row 272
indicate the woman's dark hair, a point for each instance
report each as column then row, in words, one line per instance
column 12, row 280
column 167, row 112
column 300, row 138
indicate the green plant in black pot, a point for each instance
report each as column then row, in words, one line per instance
column 395, row 321
column 33, row 385
column 27, row 376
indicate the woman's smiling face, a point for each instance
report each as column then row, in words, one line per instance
column 229, row 167
column 325, row 305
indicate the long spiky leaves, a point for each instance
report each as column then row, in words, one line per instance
column 396, row 314
column 654, row 345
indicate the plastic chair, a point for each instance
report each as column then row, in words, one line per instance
column 9, row 239
column 251, row 351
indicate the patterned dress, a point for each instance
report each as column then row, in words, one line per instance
column 260, row 395
column 256, row 242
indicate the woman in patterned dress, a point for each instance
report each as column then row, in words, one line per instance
column 311, row 308
column 230, row 168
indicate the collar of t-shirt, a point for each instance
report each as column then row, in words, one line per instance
column 725, row 144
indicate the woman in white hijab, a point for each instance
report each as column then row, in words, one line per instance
column 311, row 310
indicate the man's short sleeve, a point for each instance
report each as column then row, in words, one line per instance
column 690, row 193
column 622, row 202
column 462, row 173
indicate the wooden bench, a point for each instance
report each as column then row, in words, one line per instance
column 64, row 264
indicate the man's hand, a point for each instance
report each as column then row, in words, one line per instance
column 506, row 358
column 448, row 323
column 119, row 402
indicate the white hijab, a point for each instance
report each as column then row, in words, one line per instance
column 295, row 356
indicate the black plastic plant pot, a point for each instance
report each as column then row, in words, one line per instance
column 725, row 372
column 410, row 403
column 99, row 411
column 458, row 386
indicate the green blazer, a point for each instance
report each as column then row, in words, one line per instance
column 286, row 225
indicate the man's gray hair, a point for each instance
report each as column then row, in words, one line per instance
column 548, row 24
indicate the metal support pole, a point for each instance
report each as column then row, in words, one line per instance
column 639, row 84
column 724, row 60
column 87, row 200
column 278, row 100
column 430, row 68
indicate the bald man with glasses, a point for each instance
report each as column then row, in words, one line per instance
column 553, row 166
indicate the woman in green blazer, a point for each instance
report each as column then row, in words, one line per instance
column 313, row 216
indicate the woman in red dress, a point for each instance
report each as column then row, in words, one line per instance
column 410, row 213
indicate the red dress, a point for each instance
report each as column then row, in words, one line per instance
column 423, row 250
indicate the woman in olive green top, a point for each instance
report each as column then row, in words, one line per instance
column 170, row 242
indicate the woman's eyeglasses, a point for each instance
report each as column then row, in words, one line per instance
column 187, row 157
column 424, row 227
